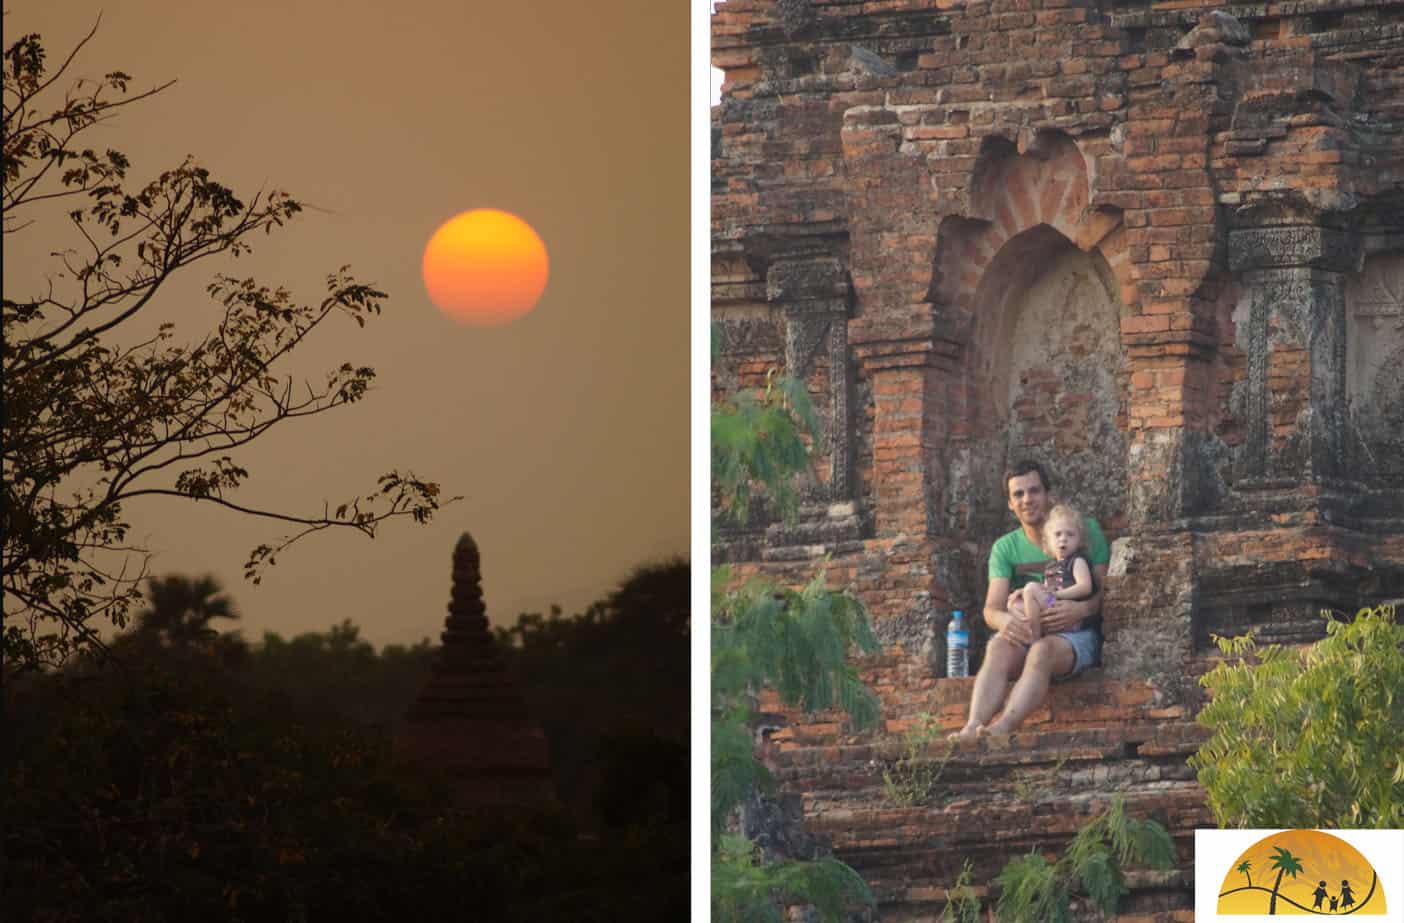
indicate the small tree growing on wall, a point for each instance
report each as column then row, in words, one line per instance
column 97, row 415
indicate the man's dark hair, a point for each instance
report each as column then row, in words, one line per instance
column 1021, row 468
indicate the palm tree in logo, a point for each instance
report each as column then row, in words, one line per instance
column 1243, row 867
column 1286, row 864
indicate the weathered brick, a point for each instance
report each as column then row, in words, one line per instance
column 912, row 184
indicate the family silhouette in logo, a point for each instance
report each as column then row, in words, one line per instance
column 1342, row 901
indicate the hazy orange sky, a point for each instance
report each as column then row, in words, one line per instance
column 566, row 431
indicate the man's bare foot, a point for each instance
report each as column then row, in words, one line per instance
column 966, row 734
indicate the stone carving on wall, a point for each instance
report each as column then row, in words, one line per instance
column 1295, row 277
column 1387, row 388
column 1375, row 365
column 813, row 295
column 749, row 336
column 1299, row 245
column 790, row 313
column 747, row 333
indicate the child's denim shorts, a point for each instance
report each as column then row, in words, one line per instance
column 1087, row 646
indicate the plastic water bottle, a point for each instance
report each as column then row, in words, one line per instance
column 957, row 646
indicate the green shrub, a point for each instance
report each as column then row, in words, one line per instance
column 1309, row 738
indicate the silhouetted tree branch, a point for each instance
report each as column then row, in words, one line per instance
column 91, row 422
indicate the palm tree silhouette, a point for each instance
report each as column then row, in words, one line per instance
column 1285, row 863
column 181, row 609
column 1243, row 867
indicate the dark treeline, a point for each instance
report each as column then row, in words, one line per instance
column 191, row 774
column 611, row 688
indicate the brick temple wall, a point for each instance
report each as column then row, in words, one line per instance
column 1159, row 245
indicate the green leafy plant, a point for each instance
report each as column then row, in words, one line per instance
column 1033, row 890
column 913, row 777
column 768, row 635
column 746, row 887
column 796, row 642
column 962, row 904
column 759, row 444
column 1308, row 738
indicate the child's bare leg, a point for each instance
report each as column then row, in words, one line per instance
column 1017, row 609
column 1033, row 614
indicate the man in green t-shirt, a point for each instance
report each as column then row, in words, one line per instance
column 1067, row 646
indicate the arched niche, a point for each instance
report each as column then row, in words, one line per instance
column 1044, row 377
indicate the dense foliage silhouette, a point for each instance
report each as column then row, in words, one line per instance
column 221, row 780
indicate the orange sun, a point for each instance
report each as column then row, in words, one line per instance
column 485, row 267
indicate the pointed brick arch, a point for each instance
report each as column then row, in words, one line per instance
column 1013, row 192
column 1028, row 223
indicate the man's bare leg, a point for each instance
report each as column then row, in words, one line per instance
column 1050, row 656
column 1003, row 658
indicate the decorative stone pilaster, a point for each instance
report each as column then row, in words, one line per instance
column 1295, row 278
column 469, row 719
column 812, row 294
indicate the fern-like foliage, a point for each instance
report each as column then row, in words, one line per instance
column 746, row 889
column 1031, row 890
column 794, row 641
column 735, row 770
column 765, row 635
column 1034, row 891
column 759, row 445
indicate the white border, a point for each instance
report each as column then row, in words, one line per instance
column 700, row 103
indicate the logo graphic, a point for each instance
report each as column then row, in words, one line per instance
column 1266, row 874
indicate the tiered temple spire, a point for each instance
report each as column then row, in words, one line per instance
column 470, row 719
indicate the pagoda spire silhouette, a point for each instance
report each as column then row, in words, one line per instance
column 469, row 719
